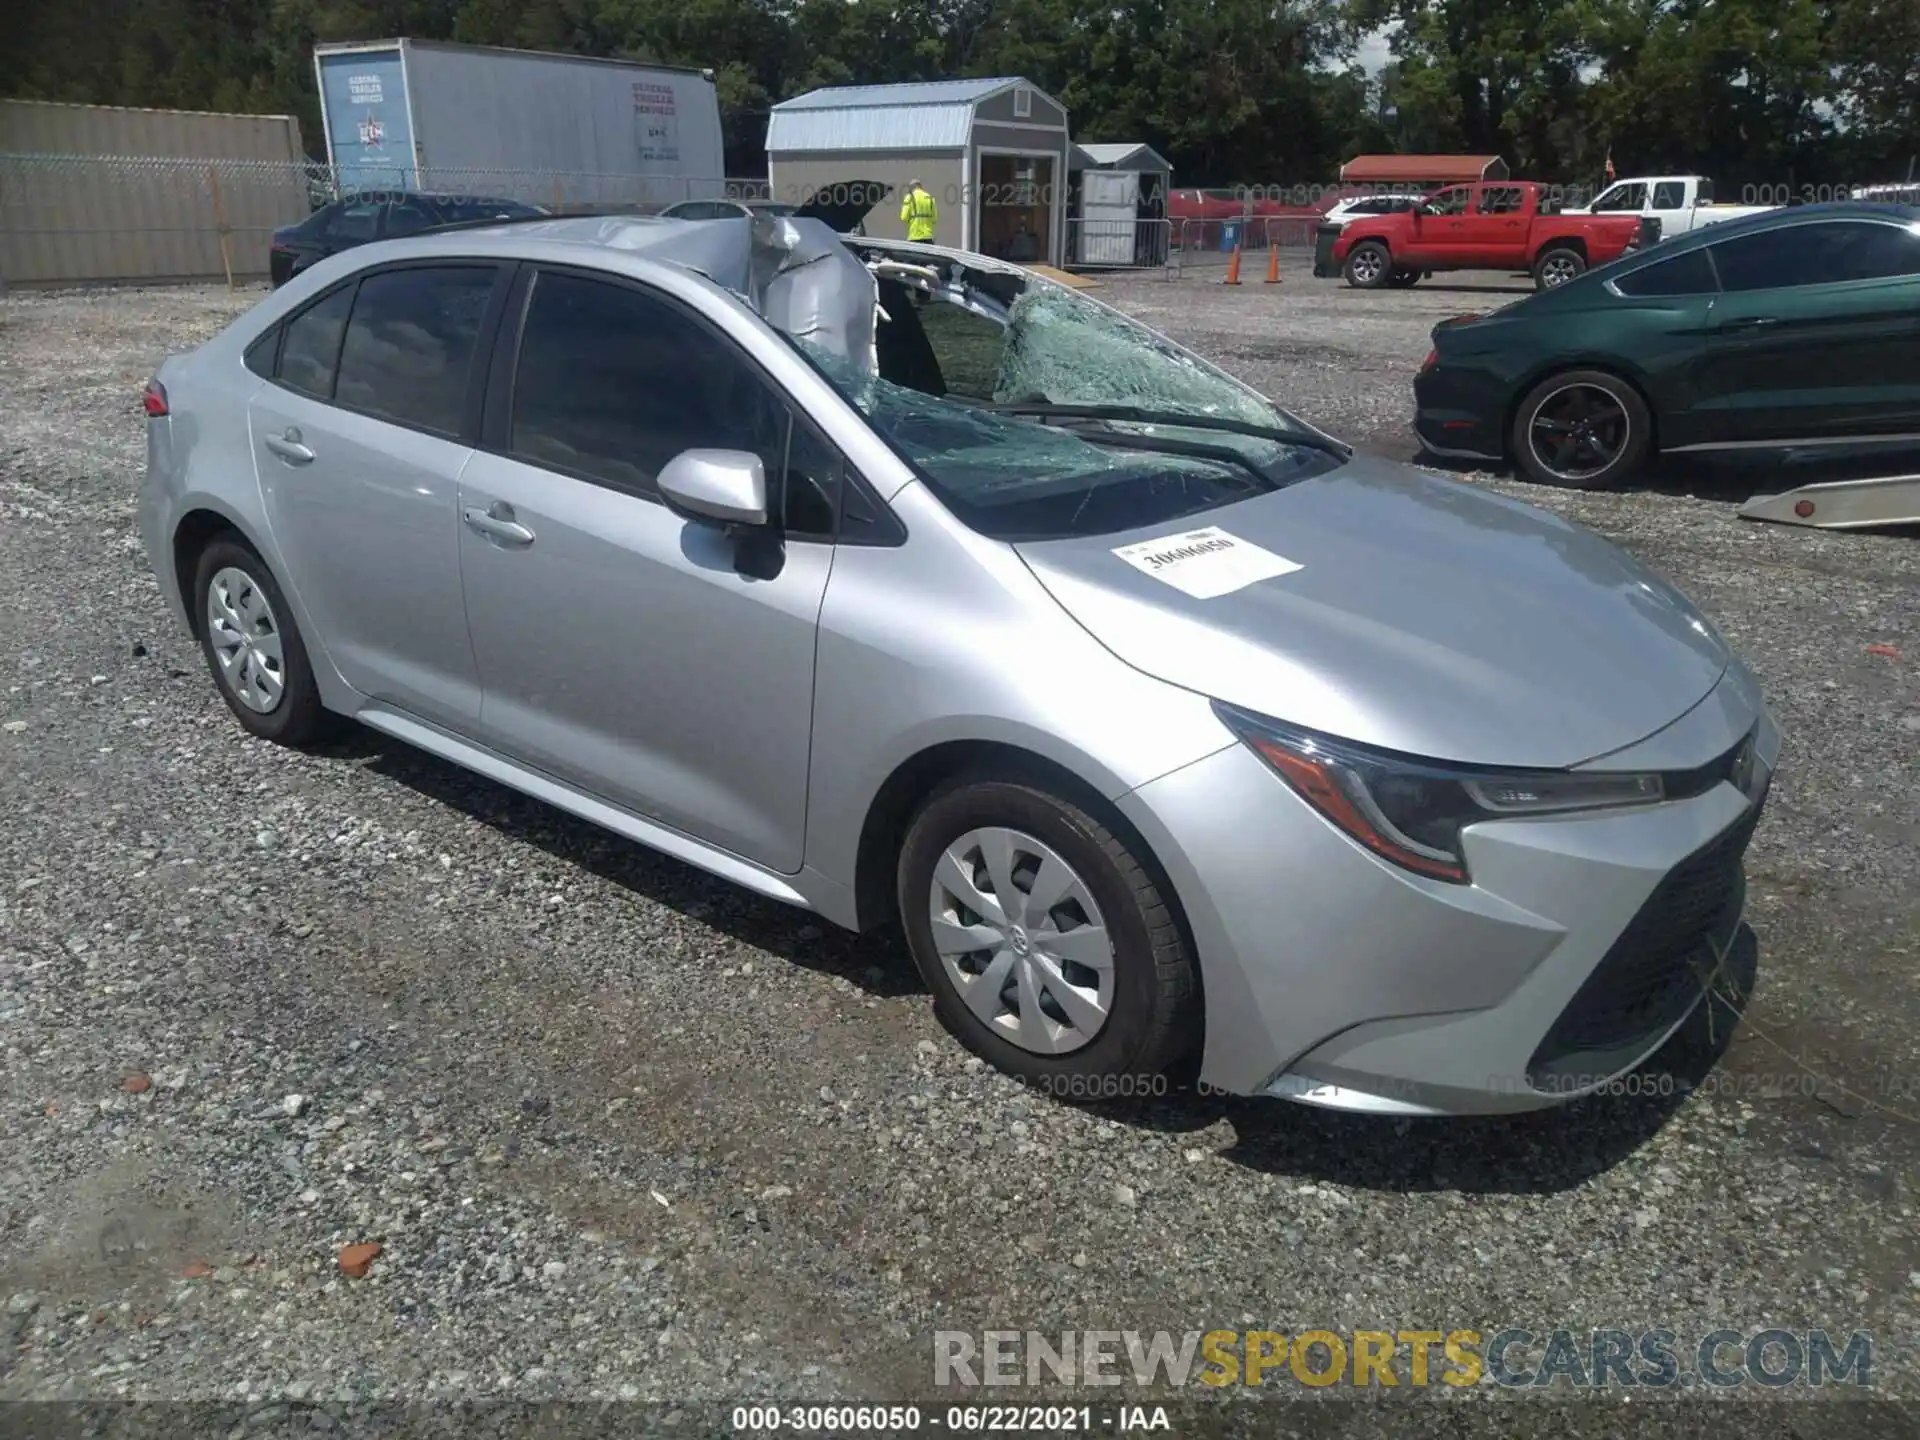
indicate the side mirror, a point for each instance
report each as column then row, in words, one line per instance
column 726, row 487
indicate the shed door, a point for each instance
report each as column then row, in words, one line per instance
column 1016, row 207
column 1109, row 204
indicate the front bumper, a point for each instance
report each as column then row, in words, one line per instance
column 1335, row 978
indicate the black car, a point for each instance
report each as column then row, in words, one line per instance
column 357, row 219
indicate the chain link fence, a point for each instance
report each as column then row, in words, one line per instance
column 76, row 219
column 1209, row 224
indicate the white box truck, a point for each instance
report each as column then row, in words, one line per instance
column 553, row 130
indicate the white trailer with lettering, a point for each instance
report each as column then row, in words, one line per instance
column 552, row 130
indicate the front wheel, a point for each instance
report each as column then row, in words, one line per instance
column 1581, row 430
column 1368, row 265
column 1050, row 949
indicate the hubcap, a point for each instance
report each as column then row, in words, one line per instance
column 1557, row 272
column 1366, row 267
column 245, row 636
column 1022, row 940
column 1578, row 431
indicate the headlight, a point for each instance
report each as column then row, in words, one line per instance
column 1412, row 811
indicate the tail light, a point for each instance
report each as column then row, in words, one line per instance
column 1433, row 359
column 155, row 399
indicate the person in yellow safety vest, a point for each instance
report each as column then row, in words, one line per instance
column 919, row 212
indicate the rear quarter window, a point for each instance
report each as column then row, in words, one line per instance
column 1686, row 274
column 312, row 347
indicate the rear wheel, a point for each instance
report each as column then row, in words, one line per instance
column 1581, row 430
column 253, row 647
column 1557, row 267
column 1404, row 279
column 1368, row 266
column 1049, row 948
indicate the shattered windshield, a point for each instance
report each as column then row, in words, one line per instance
column 1063, row 349
column 945, row 373
column 1017, row 479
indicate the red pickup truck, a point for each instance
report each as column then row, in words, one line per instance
column 1493, row 225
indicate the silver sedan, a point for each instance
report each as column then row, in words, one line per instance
column 915, row 589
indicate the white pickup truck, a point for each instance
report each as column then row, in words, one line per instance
column 1679, row 202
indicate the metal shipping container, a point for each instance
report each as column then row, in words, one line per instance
column 426, row 115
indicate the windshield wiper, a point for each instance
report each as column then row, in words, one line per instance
column 1159, row 445
column 1141, row 416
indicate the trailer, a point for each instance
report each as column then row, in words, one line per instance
column 1842, row 504
column 553, row 130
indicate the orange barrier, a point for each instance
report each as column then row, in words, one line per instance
column 1233, row 267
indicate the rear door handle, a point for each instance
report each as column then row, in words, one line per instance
column 1750, row 322
column 289, row 448
column 497, row 524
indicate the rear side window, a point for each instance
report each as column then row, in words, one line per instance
column 1688, row 274
column 611, row 384
column 353, row 221
column 410, row 344
column 1669, row 195
column 312, row 347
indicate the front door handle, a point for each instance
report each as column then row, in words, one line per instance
column 290, row 448
column 1750, row 322
column 497, row 523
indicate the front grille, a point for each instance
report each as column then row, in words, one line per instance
column 1655, row 972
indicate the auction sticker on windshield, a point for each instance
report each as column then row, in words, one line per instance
column 1206, row 563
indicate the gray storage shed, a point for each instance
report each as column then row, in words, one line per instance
column 994, row 155
column 1120, row 205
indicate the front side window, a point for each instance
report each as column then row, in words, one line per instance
column 1827, row 253
column 410, row 344
column 612, row 383
column 1631, row 197
column 407, row 215
column 312, row 347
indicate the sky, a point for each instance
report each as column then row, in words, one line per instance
column 1373, row 49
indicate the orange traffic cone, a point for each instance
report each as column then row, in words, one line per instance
column 1273, row 264
column 1233, row 267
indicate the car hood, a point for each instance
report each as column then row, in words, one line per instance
column 1424, row 616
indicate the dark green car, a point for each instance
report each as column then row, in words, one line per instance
column 1797, row 327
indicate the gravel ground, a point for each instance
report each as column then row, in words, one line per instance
column 624, row 1131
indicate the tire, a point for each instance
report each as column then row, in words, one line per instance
column 294, row 716
column 1557, row 267
column 1540, row 419
column 1404, row 279
column 1151, row 1019
column 1368, row 265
